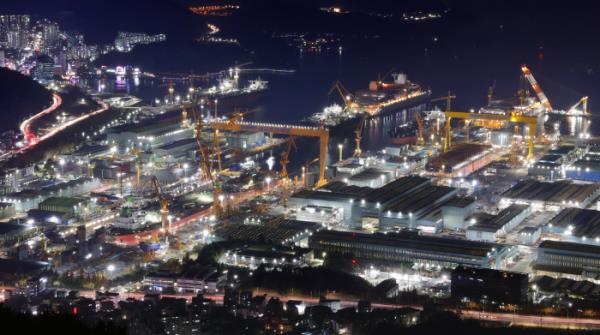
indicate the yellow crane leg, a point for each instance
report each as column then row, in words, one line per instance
column 323, row 143
column 448, row 140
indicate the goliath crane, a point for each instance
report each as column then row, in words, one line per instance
column 284, row 129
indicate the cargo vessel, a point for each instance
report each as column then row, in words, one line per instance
column 228, row 94
column 380, row 98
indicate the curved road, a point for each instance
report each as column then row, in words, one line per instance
column 25, row 126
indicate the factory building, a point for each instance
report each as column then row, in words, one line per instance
column 576, row 225
column 406, row 202
column 462, row 159
column 586, row 168
column 567, row 259
column 65, row 205
column 370, row 177
column 549, row 167
column 550, row 196
column 148, row 135
column 15, row 180
column 327, row 216
column 456, row 211
column 252, row 256
column 421, row 209
column 30, row 199
column 493, row 227
column 181, row 149
column 276, row 232
column 487, row 284
column 335, row 195
column 411, row 248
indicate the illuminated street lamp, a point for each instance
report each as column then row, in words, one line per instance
column 340, row 148
column 185, row 167
column 268, row 180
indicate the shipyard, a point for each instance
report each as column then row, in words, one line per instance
column 289, row 181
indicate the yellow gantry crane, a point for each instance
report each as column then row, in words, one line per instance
column 512, row 117
column 284, row 129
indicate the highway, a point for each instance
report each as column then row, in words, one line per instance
column 25, row 126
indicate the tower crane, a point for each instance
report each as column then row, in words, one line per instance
column 536, row 88
column 447, row 98
column 344, row 93
column 206, row 166
column 216, row 152
column 421, row 125
column 358, row 135
column 164, row 205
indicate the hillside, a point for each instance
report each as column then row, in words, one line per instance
column 20, row 96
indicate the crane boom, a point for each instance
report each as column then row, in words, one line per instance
column 536, row 88
column 344, row 93
column 164, row 205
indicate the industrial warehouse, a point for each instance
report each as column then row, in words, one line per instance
column 552, row 196
column 408, row 248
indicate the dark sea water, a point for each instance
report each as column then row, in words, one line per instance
column 467, row 68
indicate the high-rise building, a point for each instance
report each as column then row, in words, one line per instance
column 50, row 33
column 14, row 30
